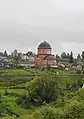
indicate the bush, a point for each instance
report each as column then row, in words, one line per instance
column 78, row 71
column 6, row 92
column 40, row 89
column 80, row 95
column 47, row 112
column 74, row 110
column 83, row 72
column 43, row 87
column 80, row 83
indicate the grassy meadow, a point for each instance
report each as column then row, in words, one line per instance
column 13, row 86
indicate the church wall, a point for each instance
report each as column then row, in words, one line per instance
column 39, row 59
column 49, row 62
column 44, row 51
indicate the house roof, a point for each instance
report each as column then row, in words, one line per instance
column 49, row 57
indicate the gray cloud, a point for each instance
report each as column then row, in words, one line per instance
column 25, row 23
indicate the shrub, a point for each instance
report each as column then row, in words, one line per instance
column 83, row 72
column 80, row 83
column 43, row 87
column 6, row 92
column 48, row 112
column 80, row 94
column 74, row 110
column 40, row 89
column 78, row 71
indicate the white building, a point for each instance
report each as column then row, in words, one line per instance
column 27, row 60
column 24, row 57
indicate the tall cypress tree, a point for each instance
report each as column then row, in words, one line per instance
column 82, row 56
column 71, row 57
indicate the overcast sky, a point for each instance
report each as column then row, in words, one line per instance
column 26, row 23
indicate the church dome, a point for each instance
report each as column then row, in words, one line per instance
column 44, row 45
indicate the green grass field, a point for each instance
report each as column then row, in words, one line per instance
column 16, row 87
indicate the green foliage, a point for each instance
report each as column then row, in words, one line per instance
column 46, row 112
column 44, row 87
column 80, row 95
column 80, row 83
column 82, row 56
column 49, row 112
column 40, row 89
column 5, row 53
column 83, row 72
column 4, row 108
column 78, row 71
column 74, row 110
column 71, row 57
column 50, row 96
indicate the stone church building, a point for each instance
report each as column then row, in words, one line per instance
column 44, row 55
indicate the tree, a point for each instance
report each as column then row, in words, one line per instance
column 74, row 110
column 5, row 53
column 16, row 59
column 1, row 54
column 82, row 56
column 71, row 57
column 45, row 87
column 80, row 94
column 41, row 89
column 78, row 57
column 63, row 55
column 68, row 54
column 50, row 112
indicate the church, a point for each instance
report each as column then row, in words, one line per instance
column 44, row 55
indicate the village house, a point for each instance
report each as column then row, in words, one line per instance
column 27, row 59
